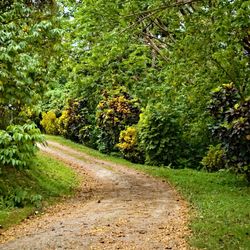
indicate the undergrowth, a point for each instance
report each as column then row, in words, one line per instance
column 25, row 192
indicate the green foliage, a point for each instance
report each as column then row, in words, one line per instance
column 55, row 97
column 28, row 37
column 18, row 144
column 160, row 136
column 236, row 139
column 22, row 192
column 116, row 111
column 19, row 198
column 75, row 121
column 168, row 52
column 88, row 135
column 78, row 118
column 232, row 126
column 215, row 158
column 129, row 146
column 223, row 98
column 49, row 123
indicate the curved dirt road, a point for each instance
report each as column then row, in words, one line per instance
column 115, row 208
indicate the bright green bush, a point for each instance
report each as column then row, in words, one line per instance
column 50, row 123
column 18, row 144
column 128, row 145
column 115, row 112
column 160, row 136
column 215, row 159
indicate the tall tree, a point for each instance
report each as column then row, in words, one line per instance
column 28, row 33
column 168, row 52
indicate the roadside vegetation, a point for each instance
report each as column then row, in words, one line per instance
column 219, row 202
column 157, row 83
column 26, row 192
column 162, row 84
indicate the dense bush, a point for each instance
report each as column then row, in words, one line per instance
column 129, row 146
column 232, row 126
column 63, row 122
column 223, row 99
column 116, row 111
column 215, row 158
column 176, row 63
column 88, row 135
column 160, row 136
column 75, row 121
column 18, row 144
column 49, row 123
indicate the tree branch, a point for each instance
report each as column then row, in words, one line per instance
column 163, row 7
column 155, row 11
column 155, row 47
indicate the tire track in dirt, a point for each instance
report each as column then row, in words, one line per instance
column 115, row 208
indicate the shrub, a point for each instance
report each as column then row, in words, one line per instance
column 18, row 144
column 19, row 198
column 116, row 111
column 232, row 126
column 128, row 145
column 223, row 98
column 160, row 135
column 74, row 118
column 87, row 135
column 235, row 137
column 215, row 159
column 63, row 123
column 28, row 114
column 49, row 123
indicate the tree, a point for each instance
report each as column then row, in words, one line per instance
column 171, row 53
column 28, row 33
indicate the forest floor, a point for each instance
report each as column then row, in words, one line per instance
column 115, row 208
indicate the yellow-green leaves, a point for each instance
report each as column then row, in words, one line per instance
column 27, row 37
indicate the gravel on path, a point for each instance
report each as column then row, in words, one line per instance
column 115, row 208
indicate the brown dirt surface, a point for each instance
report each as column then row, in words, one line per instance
column 115, row 208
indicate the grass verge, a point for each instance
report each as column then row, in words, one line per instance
column 22, row 192
column 220, row 201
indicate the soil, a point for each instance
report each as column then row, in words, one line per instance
column 114, row 208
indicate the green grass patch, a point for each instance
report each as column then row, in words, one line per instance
column 221, row 206
column 220, row 201
column 22, row 192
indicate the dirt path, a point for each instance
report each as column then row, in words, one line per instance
column 116, row 208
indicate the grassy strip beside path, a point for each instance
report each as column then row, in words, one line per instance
column 220, row 201
column 22, row 192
